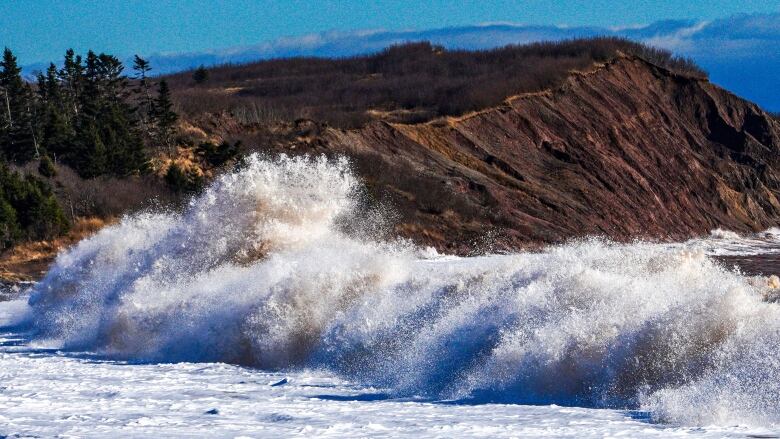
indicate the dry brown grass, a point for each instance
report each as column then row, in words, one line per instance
column 29, row 261
column 411, row 83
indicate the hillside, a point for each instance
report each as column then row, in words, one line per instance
column 408, row 83
column 628, row 149
column 587, row 137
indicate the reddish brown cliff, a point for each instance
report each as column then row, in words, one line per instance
column 626, row 150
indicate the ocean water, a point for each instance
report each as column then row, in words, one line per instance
column 275, row 305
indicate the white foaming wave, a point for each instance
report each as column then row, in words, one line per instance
column 260, row 271
column 727, row 243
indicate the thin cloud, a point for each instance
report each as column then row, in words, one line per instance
column 750, row 43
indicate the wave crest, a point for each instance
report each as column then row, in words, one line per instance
column 259, row 271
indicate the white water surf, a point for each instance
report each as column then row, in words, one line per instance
column 277, row 267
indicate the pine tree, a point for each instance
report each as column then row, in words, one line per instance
column 125, row 149
column 181, row 181
column 17, row 136
column 9, row 225
column 163, row 115
column 111, row 81
column 88, row 155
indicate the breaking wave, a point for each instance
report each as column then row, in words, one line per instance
column 727, row 243
column 272, row 267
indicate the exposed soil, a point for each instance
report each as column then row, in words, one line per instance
column 30, row 261
column 629, row 150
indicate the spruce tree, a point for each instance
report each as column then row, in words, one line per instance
column 56, row 132
column 46, row 167
column 200, row 75
column 71, row 77
column 163, row 115
column 88, row 155
column 28, row 209
column 17, row 137
column 106, row 137
column 142, row 69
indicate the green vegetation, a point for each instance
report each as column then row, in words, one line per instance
column 17, row 133
column 28, row 209
column 87, row 115
column 200, row 75
column 46, row 167
column 162, row 112
column 181, row 181
column 218, row 155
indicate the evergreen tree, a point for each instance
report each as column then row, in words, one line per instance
column 28, row 209
column 9, row 225
column 46, row 167
column 71, row 77
column 83, row 114
column 88, row 154
column 181, row 181
column 107, row 139
column 163, row 115
column 142, row 69
column 112, row 83
column 218, row 155
column 200, row 75
column 17, row 136
column 56, row 131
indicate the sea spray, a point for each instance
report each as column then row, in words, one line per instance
column 260, row 270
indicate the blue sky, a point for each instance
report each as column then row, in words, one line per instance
column 40, row 30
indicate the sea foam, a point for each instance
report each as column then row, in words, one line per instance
column 267, row 269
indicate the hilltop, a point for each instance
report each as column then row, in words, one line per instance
column 640, row 145
column 409, row 83
column 479, row 151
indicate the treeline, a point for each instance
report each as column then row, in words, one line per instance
column 412, row 82
column 87, row 115
column 28, row 209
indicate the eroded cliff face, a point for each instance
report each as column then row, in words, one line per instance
column 628, row 150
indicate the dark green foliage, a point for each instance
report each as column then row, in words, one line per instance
column 200, row 75
column 163, row 115
column 28, row 209
column 9, row 225
column 71, row 79
column 84, row 115
column 54, row 113
column 106, row 139
column 217, row 155
column 142, row 69
column 46, row 167
column 17, row 136
column 181, row 181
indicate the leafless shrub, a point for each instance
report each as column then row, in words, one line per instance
column 107, row 196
